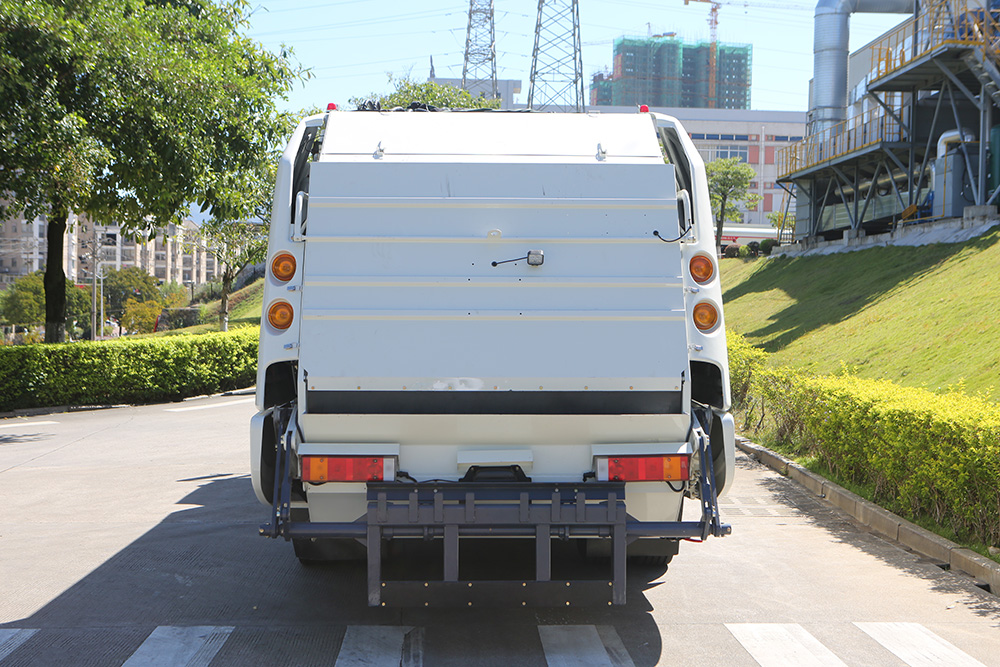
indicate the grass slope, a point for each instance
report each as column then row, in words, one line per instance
column 245, row 307
column 919, row 316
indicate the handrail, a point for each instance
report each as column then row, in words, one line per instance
column 939, row 23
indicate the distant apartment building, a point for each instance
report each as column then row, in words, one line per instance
column 664, row 71
column 176, row 253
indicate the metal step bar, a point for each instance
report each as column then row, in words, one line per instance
column 453, row 510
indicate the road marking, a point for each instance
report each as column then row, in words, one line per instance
column 25, row 424
column 11, row 639
column 782, row 645
column 214, row 405
column 614, row 646
column 573, row 646
column 917, row 646
column 170, row 646
column 375, row 645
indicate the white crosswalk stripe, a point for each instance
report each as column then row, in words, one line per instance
column 172, row 646
column 769, row 644
column 573, row 646
column 917, row 646
column 783, row 645
column 376, row 645
column 24, row 424
column 11, row 639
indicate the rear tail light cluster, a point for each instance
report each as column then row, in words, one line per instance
column 317, row 469
column 663, row 468
column 280, row 313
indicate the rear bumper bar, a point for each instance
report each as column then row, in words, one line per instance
column 451, row 510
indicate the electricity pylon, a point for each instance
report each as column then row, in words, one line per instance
column 556, row 61
column 479, row 73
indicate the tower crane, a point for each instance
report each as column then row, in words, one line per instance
column 713, row 31
column 713, row 47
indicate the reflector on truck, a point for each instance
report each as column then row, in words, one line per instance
column 318, row 469
column 666, row 468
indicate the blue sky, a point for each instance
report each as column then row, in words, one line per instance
column 351, row 45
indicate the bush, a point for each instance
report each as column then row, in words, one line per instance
column 126, row 371
column 767, row 245
column 923, row 454
column 745, row 361
column 733, row 250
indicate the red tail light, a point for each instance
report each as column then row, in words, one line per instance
column 318, row 469
column 669, row 467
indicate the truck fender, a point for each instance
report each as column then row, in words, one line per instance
column 723, row 441
column 262, row 455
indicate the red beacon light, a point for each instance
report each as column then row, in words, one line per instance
column 332, row 106
column 643, row 108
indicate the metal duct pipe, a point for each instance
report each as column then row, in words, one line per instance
column 953, row 137
column 830, row 53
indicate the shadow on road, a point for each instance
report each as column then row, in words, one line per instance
column 842, row 527
column 206, row 565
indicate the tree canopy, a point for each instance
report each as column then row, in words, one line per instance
column 728, row 185
column 408, row 91
column 128, row 110
column 23, row 302
column 131, row 283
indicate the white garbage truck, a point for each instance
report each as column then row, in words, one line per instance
column 491, row 324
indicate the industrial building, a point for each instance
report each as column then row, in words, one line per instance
column 663, row 71
column 903, row 131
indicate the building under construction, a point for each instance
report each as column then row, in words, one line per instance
column 664, row 71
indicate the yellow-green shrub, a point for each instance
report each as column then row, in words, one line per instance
column 923, row 454
column 126, row 371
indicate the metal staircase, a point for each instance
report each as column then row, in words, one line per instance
column 984, row 66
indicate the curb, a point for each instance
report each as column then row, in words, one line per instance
column 57, row 409
column 883, row 522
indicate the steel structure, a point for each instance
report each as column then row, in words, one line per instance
column 934, row 79
column 556, row 60
column 479, row 72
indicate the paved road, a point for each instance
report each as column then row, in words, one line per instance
column 128, row 536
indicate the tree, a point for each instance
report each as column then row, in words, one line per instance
column 173, row 295
column 128, row 110
column 236, row 245
column 728, row 182
column 23, row 302
column 408, row 91
column 131, row 283
column 141, row 316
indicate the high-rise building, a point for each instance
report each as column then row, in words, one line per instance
column 664, row 71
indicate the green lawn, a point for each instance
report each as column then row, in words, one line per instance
column 920, row 316
column 244, row 310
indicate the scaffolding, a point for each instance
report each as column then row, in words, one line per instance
column 664, row 71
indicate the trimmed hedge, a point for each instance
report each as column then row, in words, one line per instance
column 922, row 454
column 126, row 371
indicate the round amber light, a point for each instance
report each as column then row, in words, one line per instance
column 702, row 268
column 280, row 315
column 283, row 266
column 705, row 316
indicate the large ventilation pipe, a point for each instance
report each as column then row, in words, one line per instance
column 830, row 54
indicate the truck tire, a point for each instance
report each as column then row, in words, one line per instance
column 653, row 552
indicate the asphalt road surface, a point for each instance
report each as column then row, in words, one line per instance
column 129, row 537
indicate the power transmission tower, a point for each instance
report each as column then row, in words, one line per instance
column 556, row 61
column 479, row 73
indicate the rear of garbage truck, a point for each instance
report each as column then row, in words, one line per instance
column 491, row 325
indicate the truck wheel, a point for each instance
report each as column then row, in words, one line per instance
column 653, row 552
column 315, row 551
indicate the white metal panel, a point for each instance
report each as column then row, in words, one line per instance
column 405, row 286
column 485, row 133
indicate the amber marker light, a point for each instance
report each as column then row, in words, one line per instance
column 283, row 266
column 705, row 316
column 702, row 268
column 280, row 315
